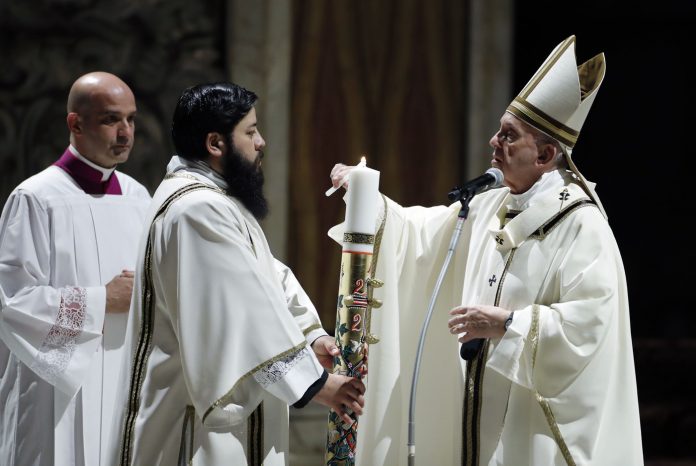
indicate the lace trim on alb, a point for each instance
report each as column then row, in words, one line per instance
column 58, row 347
column 270, row 374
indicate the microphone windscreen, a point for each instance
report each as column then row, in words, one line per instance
column 498, row 175
column 470, row 349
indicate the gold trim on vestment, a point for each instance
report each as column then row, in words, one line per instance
column 187, row 426
column 310, row 329
column 533, row 338
column 549, row 225
column 173, row 175
column 371, row 339
column 471, row 414
column 472, row 395
column 224, row 399
column 255, row 437
column 143, row 347
column 473, row 398
column 499, row 291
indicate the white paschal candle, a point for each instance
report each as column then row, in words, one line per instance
column 362, row 202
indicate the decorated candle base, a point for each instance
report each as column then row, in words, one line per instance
column 352, row 338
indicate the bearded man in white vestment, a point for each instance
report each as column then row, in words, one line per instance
column 222, row 336
column 536, row 293
column 68, row 242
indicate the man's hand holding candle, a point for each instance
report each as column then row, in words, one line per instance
column 340, row 175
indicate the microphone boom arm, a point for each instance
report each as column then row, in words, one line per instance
column 461, row 217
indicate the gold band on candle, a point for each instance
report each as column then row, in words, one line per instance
column 358, row 238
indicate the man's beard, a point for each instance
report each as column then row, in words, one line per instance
column 245, row 182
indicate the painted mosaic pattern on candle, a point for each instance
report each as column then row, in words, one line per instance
column 351, row 335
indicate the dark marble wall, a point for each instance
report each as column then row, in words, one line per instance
column 158, row 47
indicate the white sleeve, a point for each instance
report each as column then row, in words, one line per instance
column 573, row 329
column 234, row 318
column 299, row 304
column 55, row 331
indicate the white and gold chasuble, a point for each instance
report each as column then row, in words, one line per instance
column 218, row 333
column 559, row 388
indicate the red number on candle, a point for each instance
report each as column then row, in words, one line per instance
column 356, row 323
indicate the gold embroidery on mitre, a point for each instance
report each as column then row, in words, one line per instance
column 558, row 98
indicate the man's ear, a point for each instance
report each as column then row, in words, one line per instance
column 74, row 123
column 547, row 153
column 215, row 145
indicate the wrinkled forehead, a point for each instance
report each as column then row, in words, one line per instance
column 510, row 121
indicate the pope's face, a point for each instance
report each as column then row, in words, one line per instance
column 516, row 154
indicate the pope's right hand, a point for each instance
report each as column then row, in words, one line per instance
column 339, row 175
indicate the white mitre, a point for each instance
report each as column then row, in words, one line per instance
column 558, row 98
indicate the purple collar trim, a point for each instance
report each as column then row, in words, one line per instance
column 87, row 177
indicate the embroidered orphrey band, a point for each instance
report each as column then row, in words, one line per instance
column 146, row 329
column 358, row 238
column 471, row 413
column 255, row 437
column 187, row 435
column 310, row 329
column 473, row 396
column 475, row 369
column 554, row 221
column 375, row 257
column 533, row 337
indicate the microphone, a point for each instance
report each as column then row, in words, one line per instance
column 470, row 349
column 493, row 178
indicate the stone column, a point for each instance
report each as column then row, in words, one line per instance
column 259, row 46
column 490, row 77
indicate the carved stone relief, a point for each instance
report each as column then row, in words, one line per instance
column 158, row 47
